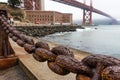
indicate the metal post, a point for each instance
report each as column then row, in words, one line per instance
column 7, row 55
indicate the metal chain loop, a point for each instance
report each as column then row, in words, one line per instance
column 20, row 43
column 61, row 50
column 73, row 65
column 100, row 62
column 10, row 35
column 92, row 60
column 14, row 38
column 45, row 54
column 42, row 44
column 57, row 69
column 7, row 31
column 29, row 48
column 111, row 73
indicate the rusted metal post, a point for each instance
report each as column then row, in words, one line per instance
column 7, row 55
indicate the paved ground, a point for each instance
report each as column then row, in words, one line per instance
column 14, row 73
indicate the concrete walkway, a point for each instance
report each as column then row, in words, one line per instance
column 14, row 73
column 40, row 71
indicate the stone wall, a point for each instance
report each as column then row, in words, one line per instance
column 38, row 31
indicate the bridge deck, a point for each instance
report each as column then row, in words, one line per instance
column 40, row 71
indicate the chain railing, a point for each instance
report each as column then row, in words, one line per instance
column 61, row 59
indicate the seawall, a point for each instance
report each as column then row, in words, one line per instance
column 38, row 31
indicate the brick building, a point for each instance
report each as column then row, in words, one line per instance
column 48, row 17
column 67, row 18
column 34, row 12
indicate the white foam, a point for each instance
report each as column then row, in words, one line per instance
column 79, row 30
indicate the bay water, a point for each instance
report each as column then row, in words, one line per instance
column 102, row 39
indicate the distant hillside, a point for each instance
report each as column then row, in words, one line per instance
column 17, row 13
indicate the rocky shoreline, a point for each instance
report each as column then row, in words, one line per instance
column 38, row 31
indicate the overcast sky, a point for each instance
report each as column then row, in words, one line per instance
column 109, row 6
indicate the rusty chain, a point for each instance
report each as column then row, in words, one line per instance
column 61, row 59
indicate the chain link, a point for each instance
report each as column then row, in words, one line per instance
column 43, row 45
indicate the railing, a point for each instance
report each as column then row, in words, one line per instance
column 62, row 61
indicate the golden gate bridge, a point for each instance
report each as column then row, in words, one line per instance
column 87, row 10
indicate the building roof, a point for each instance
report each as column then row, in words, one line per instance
column 48, row 11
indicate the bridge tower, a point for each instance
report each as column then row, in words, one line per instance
column 33, row 4
column 87, row 15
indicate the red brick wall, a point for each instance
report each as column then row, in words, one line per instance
column 48, row 17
